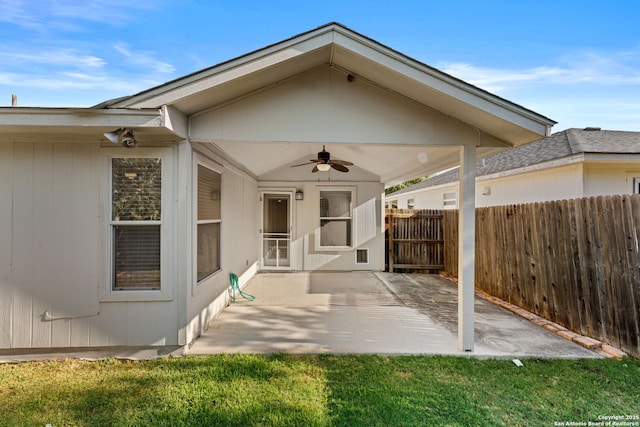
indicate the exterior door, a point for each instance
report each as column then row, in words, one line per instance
column 276, row 231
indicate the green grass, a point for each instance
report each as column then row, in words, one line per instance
column 284, row 390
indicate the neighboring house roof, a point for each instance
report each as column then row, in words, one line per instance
column 561, row 144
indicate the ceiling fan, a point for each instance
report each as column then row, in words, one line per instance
column 324, row 163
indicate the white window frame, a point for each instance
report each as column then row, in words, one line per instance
column 450, row 199
column 351, row 218
column 167, row 268
column 411, row 203
column 199, row 160
column 636, row 185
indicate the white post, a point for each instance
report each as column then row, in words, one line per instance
column 466, row 247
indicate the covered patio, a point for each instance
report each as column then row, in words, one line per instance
column 366, row 312
column 252, row 155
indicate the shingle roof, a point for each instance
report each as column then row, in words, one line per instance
column 560, row 144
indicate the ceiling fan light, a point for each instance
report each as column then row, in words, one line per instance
column 323, row 167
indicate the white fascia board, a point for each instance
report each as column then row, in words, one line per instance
column 569, row 160
column 228, row 71
column 52, row 118
column 175, row 121
column 300, row 45
column 453, row 185
column 444, row 83
column 612, row 157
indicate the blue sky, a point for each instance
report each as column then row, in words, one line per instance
column 577, row 62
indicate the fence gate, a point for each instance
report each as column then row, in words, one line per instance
column 414, row 240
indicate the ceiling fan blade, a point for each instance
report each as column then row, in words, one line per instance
column 301, row 164
column 315, row 169
column 339, row 167
column 341, row 162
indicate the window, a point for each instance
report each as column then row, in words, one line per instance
column 136, row 221
column 208, row 222
column 336, row 218
column 636, row 185
column 411, row 203
column 450, row 200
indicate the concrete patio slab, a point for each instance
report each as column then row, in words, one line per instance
column 365, row 312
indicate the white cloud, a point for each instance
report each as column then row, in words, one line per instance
column 109, row 11
column 56, row 57
column 68, row 81
column 144, row 59
column 583, row 88
column 584, row 67
column 67, row 69
column 41, row 15
column 18, row 12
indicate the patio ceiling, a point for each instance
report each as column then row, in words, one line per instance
column 391, row 164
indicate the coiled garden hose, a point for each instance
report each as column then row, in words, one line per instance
column 234, row 286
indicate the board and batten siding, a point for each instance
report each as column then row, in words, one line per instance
column 239, row 243
column 52, row 252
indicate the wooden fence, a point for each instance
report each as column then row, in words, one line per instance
column 574, row 262
column 414, row 240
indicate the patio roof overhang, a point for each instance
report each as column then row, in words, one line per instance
column 464, row 122
column 487, row 121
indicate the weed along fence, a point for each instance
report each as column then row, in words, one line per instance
column 574, row 262
column 414, row 240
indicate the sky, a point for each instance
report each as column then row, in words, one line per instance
column 576, row 62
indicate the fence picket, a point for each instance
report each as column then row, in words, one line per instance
column 414, row 240
column 576, row 262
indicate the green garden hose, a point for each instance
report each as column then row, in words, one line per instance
column 233, row 287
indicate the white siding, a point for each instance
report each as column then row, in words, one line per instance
column 610, row 178
column 52, row 255
column 559, row 183
column 431, row 198
column 239, row 246
column 322, row 105
column 6, row 252
column 564, row 182
column 367, row 225
column 576, row 180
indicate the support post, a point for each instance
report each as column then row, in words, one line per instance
column 466, row 248
column 390, row 232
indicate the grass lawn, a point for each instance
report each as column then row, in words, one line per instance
column 284, row 390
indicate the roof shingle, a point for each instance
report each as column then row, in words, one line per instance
column 560, row 144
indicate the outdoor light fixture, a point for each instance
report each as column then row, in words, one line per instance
column 299, row 195
column 122, row 136
column 323, row 167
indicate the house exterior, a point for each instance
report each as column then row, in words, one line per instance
column 121, row 223
column 570, row 164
